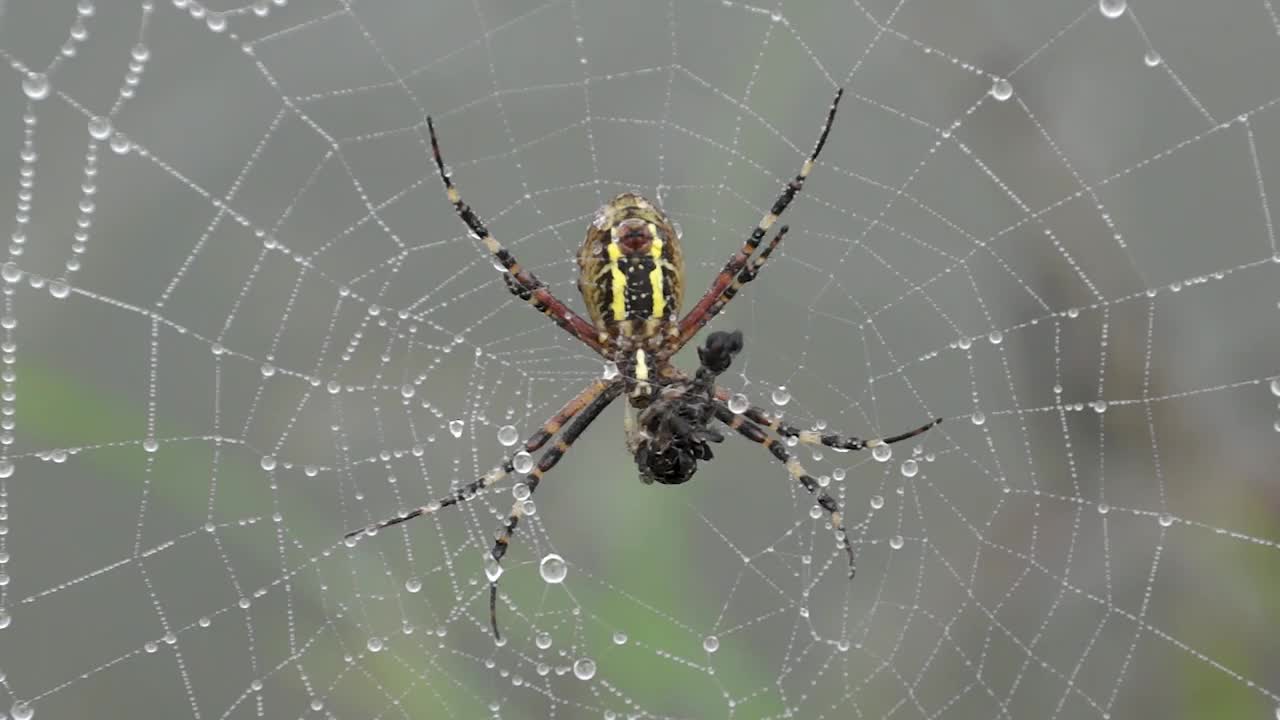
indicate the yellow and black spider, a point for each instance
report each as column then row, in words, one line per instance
column 632, row 281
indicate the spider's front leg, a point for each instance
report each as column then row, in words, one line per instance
column 519, row 280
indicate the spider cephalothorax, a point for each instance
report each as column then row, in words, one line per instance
column 632, row 281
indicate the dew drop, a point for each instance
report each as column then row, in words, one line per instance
column 1103, row 508
column 5, row 619
column 1099, row 406
column 99, row 128
column 413, row 585
column 507, row 435
column 1001, row 89
column 1112, row 8
column 140, row 52
column 36, row 86
column 877, row 502
column 996, row 337
column 781, row 396
column 610, row 370
column 711, row 643
column 21, row 711
column 584, row 668
column 1152, row 58
column 978, row 418
column 964, row 343
column 543, row 641
column 619, row 638
column 217, row 22
column 896, row 542
column 407, row 390
column 268, row 462
column 815, row 512
column 1275, row 387
column 1166, row 519
column 881, row 453
column 522, row 462
column 150, row 445
column 910, row 468
column 267, row 370
column 492, row 568
column 120, row 144
column 739, row 403
column 553, row 568
column 59, row 288
column 455, row 428
column 520, row 491
column 374, row 644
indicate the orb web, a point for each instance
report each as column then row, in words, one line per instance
column 240, row 319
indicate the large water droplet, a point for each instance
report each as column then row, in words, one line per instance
column 1166, row 519
column 543, row 640
column 268, row 462
column 120, row 144
column 1112, row 8
column 507, row 435
column 978, row 418
column 781, row 396
column 36, row 86
column 492, row 568
column 455, row 428
column 553, row 568
column 1001, row 89
column 413, row 585
column 739, row 403
column 711, row 643
column 619, row 638
column 59, row 288
column 374, row 644
column 522, row 462
column 881, row 453
column 877, row 502
column 584, row 668
column 521, row 492
column 21, row 711
column 896, row 542
column 910, row 468
column 996, row 337
column 99, row 128
column 1152, row 59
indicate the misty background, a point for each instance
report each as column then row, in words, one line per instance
column 240, row 317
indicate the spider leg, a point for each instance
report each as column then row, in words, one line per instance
column 601, row 398
column 519, row 280
column 745, row 275
column 496, row 475
column 761, row 417
column 690, row 323
column 757, row 434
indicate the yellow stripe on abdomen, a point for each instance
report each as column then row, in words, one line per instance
column 617, row 283
column 655, row 275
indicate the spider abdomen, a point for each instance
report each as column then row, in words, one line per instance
column 631, row 269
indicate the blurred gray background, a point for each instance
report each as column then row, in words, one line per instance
column 240, row 316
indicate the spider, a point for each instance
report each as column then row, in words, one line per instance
column 631, row 278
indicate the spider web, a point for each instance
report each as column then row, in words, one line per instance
column 240, row 318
